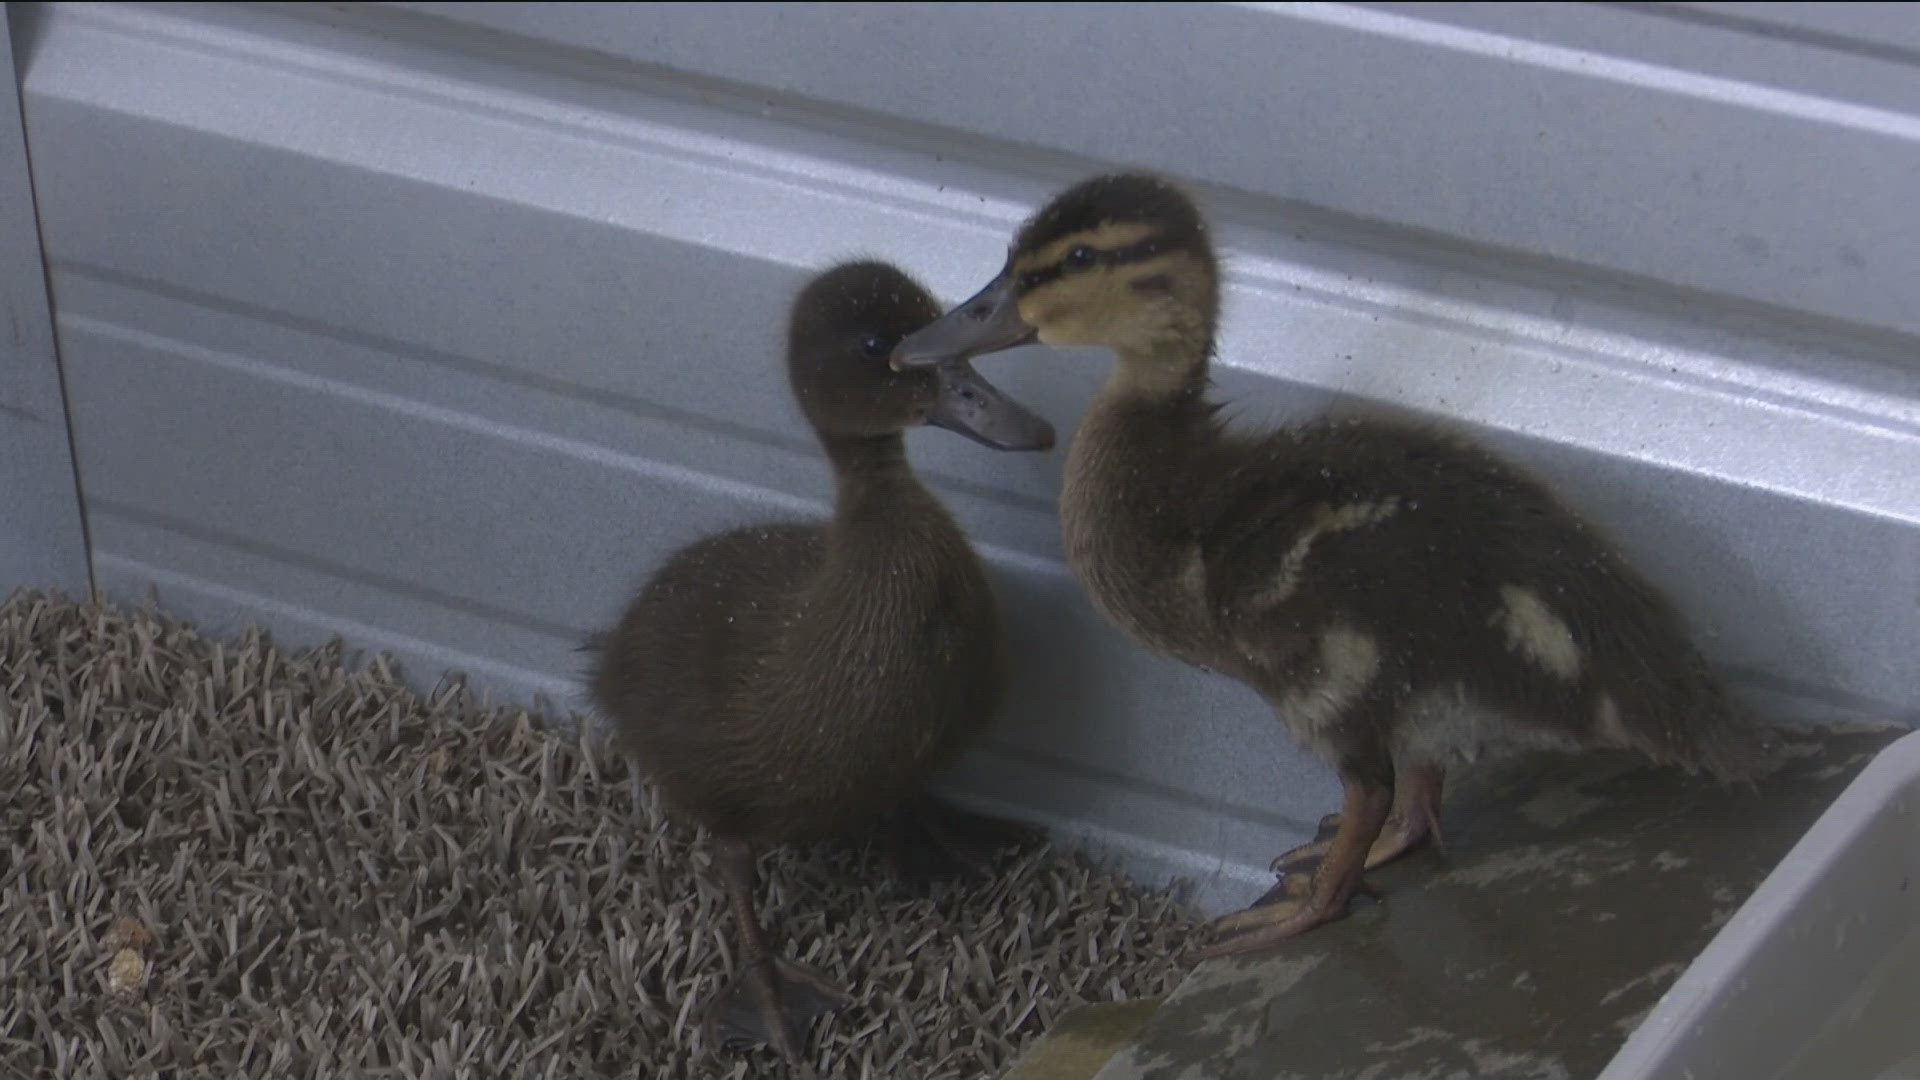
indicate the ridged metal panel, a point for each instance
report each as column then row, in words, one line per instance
column 42, row 543
column 1615, row 138
column 437, row 325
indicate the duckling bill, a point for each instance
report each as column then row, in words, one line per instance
column 1403, row 598
column 798, row 680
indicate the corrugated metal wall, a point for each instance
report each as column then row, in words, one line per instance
column 435, row 325
column 41, row 541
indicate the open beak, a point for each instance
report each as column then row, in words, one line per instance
column 972, row 406
column 987, row 323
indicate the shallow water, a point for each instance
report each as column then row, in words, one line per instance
column 1875, row 1033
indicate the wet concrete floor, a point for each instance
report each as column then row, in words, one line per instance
column 1572, row 893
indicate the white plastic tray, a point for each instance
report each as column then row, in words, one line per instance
column 1798, row 951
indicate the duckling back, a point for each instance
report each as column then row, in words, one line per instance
column 1491, row 613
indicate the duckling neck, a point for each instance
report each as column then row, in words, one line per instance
column 1130, row 466
column 1139, row 464
column 884, row 519
column 1170, row 371
column 873, row 480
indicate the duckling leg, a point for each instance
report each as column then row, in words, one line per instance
column 1363, row 813
column 636, row 787
column 767, row 1001
column 1415, row 817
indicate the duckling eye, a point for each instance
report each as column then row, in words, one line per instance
column 876, row 345
column 1079, row 258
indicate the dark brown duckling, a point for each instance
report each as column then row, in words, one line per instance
column 1403, row 598
column 794, row 681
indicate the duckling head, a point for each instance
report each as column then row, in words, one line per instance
column 846, row 323
column 1120, row 261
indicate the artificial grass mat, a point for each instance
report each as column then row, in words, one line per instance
column 221, row 859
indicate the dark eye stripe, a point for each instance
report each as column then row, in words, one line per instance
column 1138, row 251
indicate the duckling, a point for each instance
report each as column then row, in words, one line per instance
column 798, row 680
column 1403, row 598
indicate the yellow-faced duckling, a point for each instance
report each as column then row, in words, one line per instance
column 795, row 681
column 1403, row 598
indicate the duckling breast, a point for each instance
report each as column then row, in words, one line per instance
column 768, row 694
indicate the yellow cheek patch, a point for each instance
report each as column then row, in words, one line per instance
column 1048, row 300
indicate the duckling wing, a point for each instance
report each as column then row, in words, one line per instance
column 1450, row 572
column 1388, row 502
